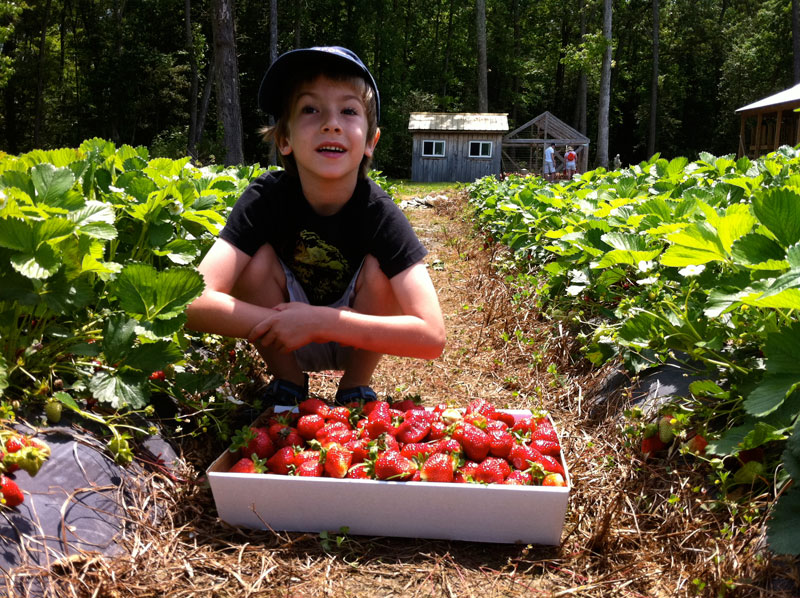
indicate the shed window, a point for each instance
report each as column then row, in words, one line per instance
column 433, row 148
column 480, row 149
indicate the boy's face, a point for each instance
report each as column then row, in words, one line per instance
column 327, row 132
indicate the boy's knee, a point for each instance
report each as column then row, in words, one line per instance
column 374, row 288
column 263, row 276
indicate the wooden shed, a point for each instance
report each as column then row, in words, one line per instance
column 770, row 123
column 523, row 148
column 459, row 147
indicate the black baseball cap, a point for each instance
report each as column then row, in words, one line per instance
column 273, row 85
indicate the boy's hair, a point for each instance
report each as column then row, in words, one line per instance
column 280, row 130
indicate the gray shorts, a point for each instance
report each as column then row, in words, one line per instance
column 316, row 357
column 549, row 168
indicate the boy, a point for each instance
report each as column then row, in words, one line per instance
column 316, row 265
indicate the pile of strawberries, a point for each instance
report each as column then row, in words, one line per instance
column 18, row 451
column 403, row 441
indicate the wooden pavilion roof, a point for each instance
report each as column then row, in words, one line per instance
column 783, row 100
column 545, row 128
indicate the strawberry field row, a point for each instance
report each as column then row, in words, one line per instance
column 696, row 262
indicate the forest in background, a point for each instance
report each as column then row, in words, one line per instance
column 139, row 72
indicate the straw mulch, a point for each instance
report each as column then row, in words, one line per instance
column 634, row 528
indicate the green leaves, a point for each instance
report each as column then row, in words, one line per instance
column 782, row 375
column 148, row 294
column 779, row 211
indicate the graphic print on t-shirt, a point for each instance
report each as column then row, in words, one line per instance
column 320, row 268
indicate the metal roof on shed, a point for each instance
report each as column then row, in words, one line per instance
column 458, row 121
column 787, row 96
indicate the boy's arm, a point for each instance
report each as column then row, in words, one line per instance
column 216, row 310
column 417, row 332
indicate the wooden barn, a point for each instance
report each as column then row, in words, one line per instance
column 458, row 147
column 770, row 123
column 523, row 148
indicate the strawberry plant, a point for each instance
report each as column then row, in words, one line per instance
column 97, row 252
column 690, row 261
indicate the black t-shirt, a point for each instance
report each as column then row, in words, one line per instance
column 323, row 252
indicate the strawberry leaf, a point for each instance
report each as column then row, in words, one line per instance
column 782, row 527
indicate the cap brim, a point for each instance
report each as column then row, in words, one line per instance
column 271, row 92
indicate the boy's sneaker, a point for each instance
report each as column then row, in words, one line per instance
column 356, row 393
column 283, row 392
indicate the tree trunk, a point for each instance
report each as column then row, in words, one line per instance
column 298, row 16
column 796, row 40
column 483, row 87
column 651, row 137
column 446, row 66
column 39, row 117
column 583, row 84
column 227, row 71
column 204, row 101
column 605, row 90
column 191, row 140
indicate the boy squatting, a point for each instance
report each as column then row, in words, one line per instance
column 316, row 265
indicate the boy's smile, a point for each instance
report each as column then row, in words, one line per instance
column 328, row 133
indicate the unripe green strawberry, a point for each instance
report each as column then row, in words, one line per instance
column 52, row 410
column 666, row 431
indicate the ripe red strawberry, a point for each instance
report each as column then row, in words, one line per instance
column 337, row 460
column 339, row 414
column 438, row 430
column 415, row 426
column 419, row 450
column 315, row 406
column 524, row 426
column 466, row 472
column 359, row 472
column 259, row 444
column 519, row 478
column 523, row 455
column 14, row 443
column 500, row 443
column 308, row 425
column 476, row 419
column 504, row 417
column 309, row 469
column 10, row 494
column 550, row 464
column 248, row 465
column 335, row 431
column 495, row 425
column 379, row 421
column 483, row 407
column 359, row 448
column 439, row 467
column 492, row 470
column 408, row 403
column 289, row 437
column 697, row 444
column 282, row 461
column 391, row 465
column 449, row 445
column 547, row 447
column 651, row 442
column 370, row 406
column 474, row 441
column 544, row 431
column 554, row 479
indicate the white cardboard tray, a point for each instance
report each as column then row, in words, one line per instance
column 470, row 512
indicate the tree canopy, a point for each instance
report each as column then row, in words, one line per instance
column 125, row 71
